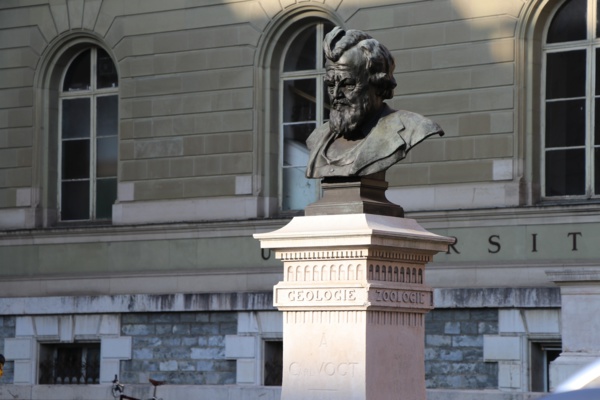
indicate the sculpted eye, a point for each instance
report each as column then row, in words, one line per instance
column 348, row 84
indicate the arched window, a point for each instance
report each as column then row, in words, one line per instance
column 88, row 128
column 571, row 139
column 304, row 107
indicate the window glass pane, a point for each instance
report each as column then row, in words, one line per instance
column 565, row 172
column 295, row 151
column 78, row 74
column 75, row 159
column 565, row 74
column 597, row 91
column 597, row 124
column 106, row 157
column 326, row 106
column 597, row 21
column 76, row 118
column 75, row 200
column 565, row 123
column 302, row 53
column 569, row 22
column 327, row 27
column 273, row 362
column 68, row 360
column 107, row 73
column 107, row 115
column 541, row 355
column 298, row 192
column 597, row 170
column 92, row 364
column 299, row 101
column 106, row 194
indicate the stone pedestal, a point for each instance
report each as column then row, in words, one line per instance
column 354, row 301
column 580, row 324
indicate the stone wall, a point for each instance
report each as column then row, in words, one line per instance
column 454, row 349
column 191, row 100
column 180, row 348
column 7, row 329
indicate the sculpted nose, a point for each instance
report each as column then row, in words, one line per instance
column 338, row 93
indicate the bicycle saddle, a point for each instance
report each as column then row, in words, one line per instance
column 156, row 383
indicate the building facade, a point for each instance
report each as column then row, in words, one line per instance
column 142, row 143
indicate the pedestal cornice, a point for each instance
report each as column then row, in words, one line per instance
column 353, row 231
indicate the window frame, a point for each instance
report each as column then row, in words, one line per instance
column 93, row 93
column 272, row 358
column 542, row 351
column 321, row 99
column 52, row 350
column 591, row 45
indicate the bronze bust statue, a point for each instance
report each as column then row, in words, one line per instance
column 364, row 135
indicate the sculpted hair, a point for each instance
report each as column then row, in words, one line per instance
column 379, row 61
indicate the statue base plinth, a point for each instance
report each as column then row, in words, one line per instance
column 355, row 195
column 353, row 302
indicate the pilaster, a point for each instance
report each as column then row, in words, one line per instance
column 580, row 293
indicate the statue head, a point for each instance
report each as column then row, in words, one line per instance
column 359, row 77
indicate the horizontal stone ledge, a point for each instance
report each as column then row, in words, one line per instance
column 489, row 394
column 497, row 297
column 167, row 391
column 246, row 301
column 365, row 308
column 259, row 301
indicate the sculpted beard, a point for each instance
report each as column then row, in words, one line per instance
column 345, row 117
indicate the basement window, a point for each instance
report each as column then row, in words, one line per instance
column 273, row 362
column 542, row 354
column 69, row 363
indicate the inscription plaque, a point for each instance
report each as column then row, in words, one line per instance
column 402, row 298
column 319, row 297
column 366, row 296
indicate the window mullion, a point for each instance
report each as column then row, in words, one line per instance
column 92, row 188
column 319, row 66
column 59, row 189
column 93, row 158
column 591, row 120
column 592, row 76
column 591, row 19
column 281, row 127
